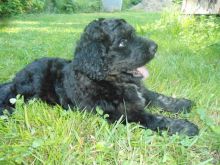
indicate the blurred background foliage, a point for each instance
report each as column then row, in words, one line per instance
column 13, row 7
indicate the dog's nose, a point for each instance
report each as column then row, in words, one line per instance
column 153, row 48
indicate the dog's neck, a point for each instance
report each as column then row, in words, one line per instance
column 123, row 78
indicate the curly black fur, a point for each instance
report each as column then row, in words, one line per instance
column 100, row 76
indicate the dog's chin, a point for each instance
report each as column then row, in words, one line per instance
column 140, row 72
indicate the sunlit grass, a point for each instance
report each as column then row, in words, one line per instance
column 41, row 29
column 41, row 134
column 26, row 22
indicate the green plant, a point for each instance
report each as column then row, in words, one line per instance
column 88, row 6
column 129, row 3
column 10, row 7
column 199, row 33
column 41, row 134
column 135, row 2
column 177, row 1
column 38, row 6
column 13, row 7
column 72, row 6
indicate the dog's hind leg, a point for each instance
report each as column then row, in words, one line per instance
column 7, row 92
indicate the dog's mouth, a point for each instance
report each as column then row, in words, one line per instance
column 140, row 72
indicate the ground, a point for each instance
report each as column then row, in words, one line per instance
column 187, row 65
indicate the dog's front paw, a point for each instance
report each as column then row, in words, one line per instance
column 182, row 105
column 183, row 127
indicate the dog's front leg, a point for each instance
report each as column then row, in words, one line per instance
column 167, row 103
column 131, row 112
column 159, row 123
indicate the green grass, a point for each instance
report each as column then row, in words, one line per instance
column 187, row 65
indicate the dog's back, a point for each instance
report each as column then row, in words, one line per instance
column 40, row 79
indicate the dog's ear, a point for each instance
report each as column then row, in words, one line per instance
column 90, row 54
column 95, row 31
column 90, row 60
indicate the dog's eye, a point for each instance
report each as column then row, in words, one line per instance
column 123, row 43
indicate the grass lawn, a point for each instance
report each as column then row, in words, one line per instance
column 187, row 65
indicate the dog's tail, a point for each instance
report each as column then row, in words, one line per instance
column 7, row 97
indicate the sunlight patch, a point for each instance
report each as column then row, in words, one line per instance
column 40, row 29
column 26, row 22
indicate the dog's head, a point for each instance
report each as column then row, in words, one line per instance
column 109, row 47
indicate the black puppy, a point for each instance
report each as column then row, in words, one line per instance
column 106, row 72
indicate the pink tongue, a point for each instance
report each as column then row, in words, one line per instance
column 143, row 70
